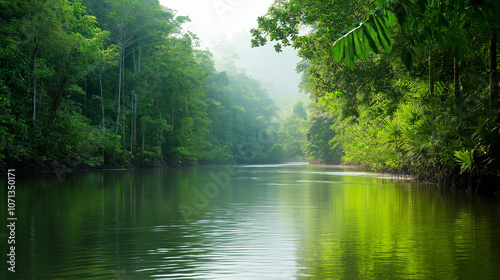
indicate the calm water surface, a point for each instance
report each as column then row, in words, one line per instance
column 291, row 221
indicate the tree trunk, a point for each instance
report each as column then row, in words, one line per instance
column 493, row 73
column 102, row 101
column 85, row 97
column 124, row 113
column 124, row 133
column 135, row 63
column 160, row 133
column 34, row 84
column 120, row 66
column 133, row 122
column 139, row 61
column 143, row 136
column 133, row 98
column 431, row 84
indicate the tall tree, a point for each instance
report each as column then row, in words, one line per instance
column 63, row 40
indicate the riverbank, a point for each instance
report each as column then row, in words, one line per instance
column 456, row 181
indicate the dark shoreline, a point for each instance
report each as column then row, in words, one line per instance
column 453, row 183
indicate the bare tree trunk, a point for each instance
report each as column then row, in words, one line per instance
column 124, row 113
column 34, row 84
column 85, row 97
column 160, row 134
column 135, row 63
column 143, row 135
column 124, row 133
column 120, row 66
column 133, row 98
column 133, row 122
column 102, row 101
column 102, row 111
column 431, row 83
column 139, row 62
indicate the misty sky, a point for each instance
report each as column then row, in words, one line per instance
column 234, row 19
column 212, row 17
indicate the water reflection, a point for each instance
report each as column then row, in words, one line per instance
column 270, row 222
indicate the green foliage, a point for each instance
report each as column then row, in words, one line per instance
column 321, row 145
column 276, row 153
column 431, row 108
column 422, row 23
column 221, row 153
column 13, row 125
column 290, row 133
column 362, row 146
column 73, row 57
column 74, row 138
column 293, row 138
column 298, row 111
column 369, row 35
column 466, row 160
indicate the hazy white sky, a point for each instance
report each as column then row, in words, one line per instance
column 213, row 17
column 234, row 19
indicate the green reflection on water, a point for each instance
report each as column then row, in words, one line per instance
column 370, row 228
column 268, row 222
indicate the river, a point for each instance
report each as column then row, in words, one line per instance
column 285, row 221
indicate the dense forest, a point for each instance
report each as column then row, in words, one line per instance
column 116, row 83
column 407, row 86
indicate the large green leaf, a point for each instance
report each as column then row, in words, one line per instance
column 377, row 31
column 390, row 17
column 368, row 35
column 366, row 42
column 360, row 46
column 383, row 34
column 338, row 50
column 349, row 58
column 372, row 38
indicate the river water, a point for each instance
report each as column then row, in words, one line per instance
column 287, row 221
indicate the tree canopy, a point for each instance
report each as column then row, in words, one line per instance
column 424, row 102
column 116, row 83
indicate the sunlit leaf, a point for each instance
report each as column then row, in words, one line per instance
column 349, row 58
column 384, row 35
column 371, row 37
column 359, row 47
column 390, row 18
column 338, row 50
